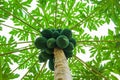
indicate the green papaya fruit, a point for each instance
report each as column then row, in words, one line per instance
column 59, row 30
column 62, row 41
column 51, row 64
column 49, row 51
column 43, row 56
column 67, row 33
column 68, row 54
column 73, row 41
column 70, row 47
column 47, row 33
column 41, row 42
column 51, row 43
column 55, row 34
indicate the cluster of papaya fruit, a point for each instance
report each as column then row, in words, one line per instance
column 54, row 38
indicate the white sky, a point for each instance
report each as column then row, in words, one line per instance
column 103, row 30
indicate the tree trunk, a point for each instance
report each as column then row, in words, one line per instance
column 62, row 71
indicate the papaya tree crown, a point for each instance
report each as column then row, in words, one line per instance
column 54, row 38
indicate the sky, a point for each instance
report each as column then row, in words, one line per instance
column 102, row 31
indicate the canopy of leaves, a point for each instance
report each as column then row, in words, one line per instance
column 76, row 15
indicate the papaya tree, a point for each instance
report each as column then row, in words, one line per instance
column 47, row 39
column 56, row 46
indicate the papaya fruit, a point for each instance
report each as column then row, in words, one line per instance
column 55, row 34
column 51, row 64
column 68, row 54
column 40, row 42
column 62, row 41
column 47, row 33
column 49, row 51
column 73, row 41
column 51, row 43
column 43, row 56
column 59, row 30
column 67, row 33
column 69, row 47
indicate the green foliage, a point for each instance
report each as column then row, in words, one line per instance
column 16, row 46
column 117, row 37
column 5, row 74
column 62, row 41
column 40, row 42
column 118, row 45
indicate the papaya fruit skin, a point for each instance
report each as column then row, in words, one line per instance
column 55, row 34
column 73, row 41
column 53, row 30
column 48, row 56
column 69, row 47
column 68, row 54
column 51, row 43
column 59, row 30
column 40, row 42
column 43, row 56
column 62, row 41
column 49, row 51
column 51, row 64
column 67, row 33
column 47, row 33
column 41, row 59
column 54, row 38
